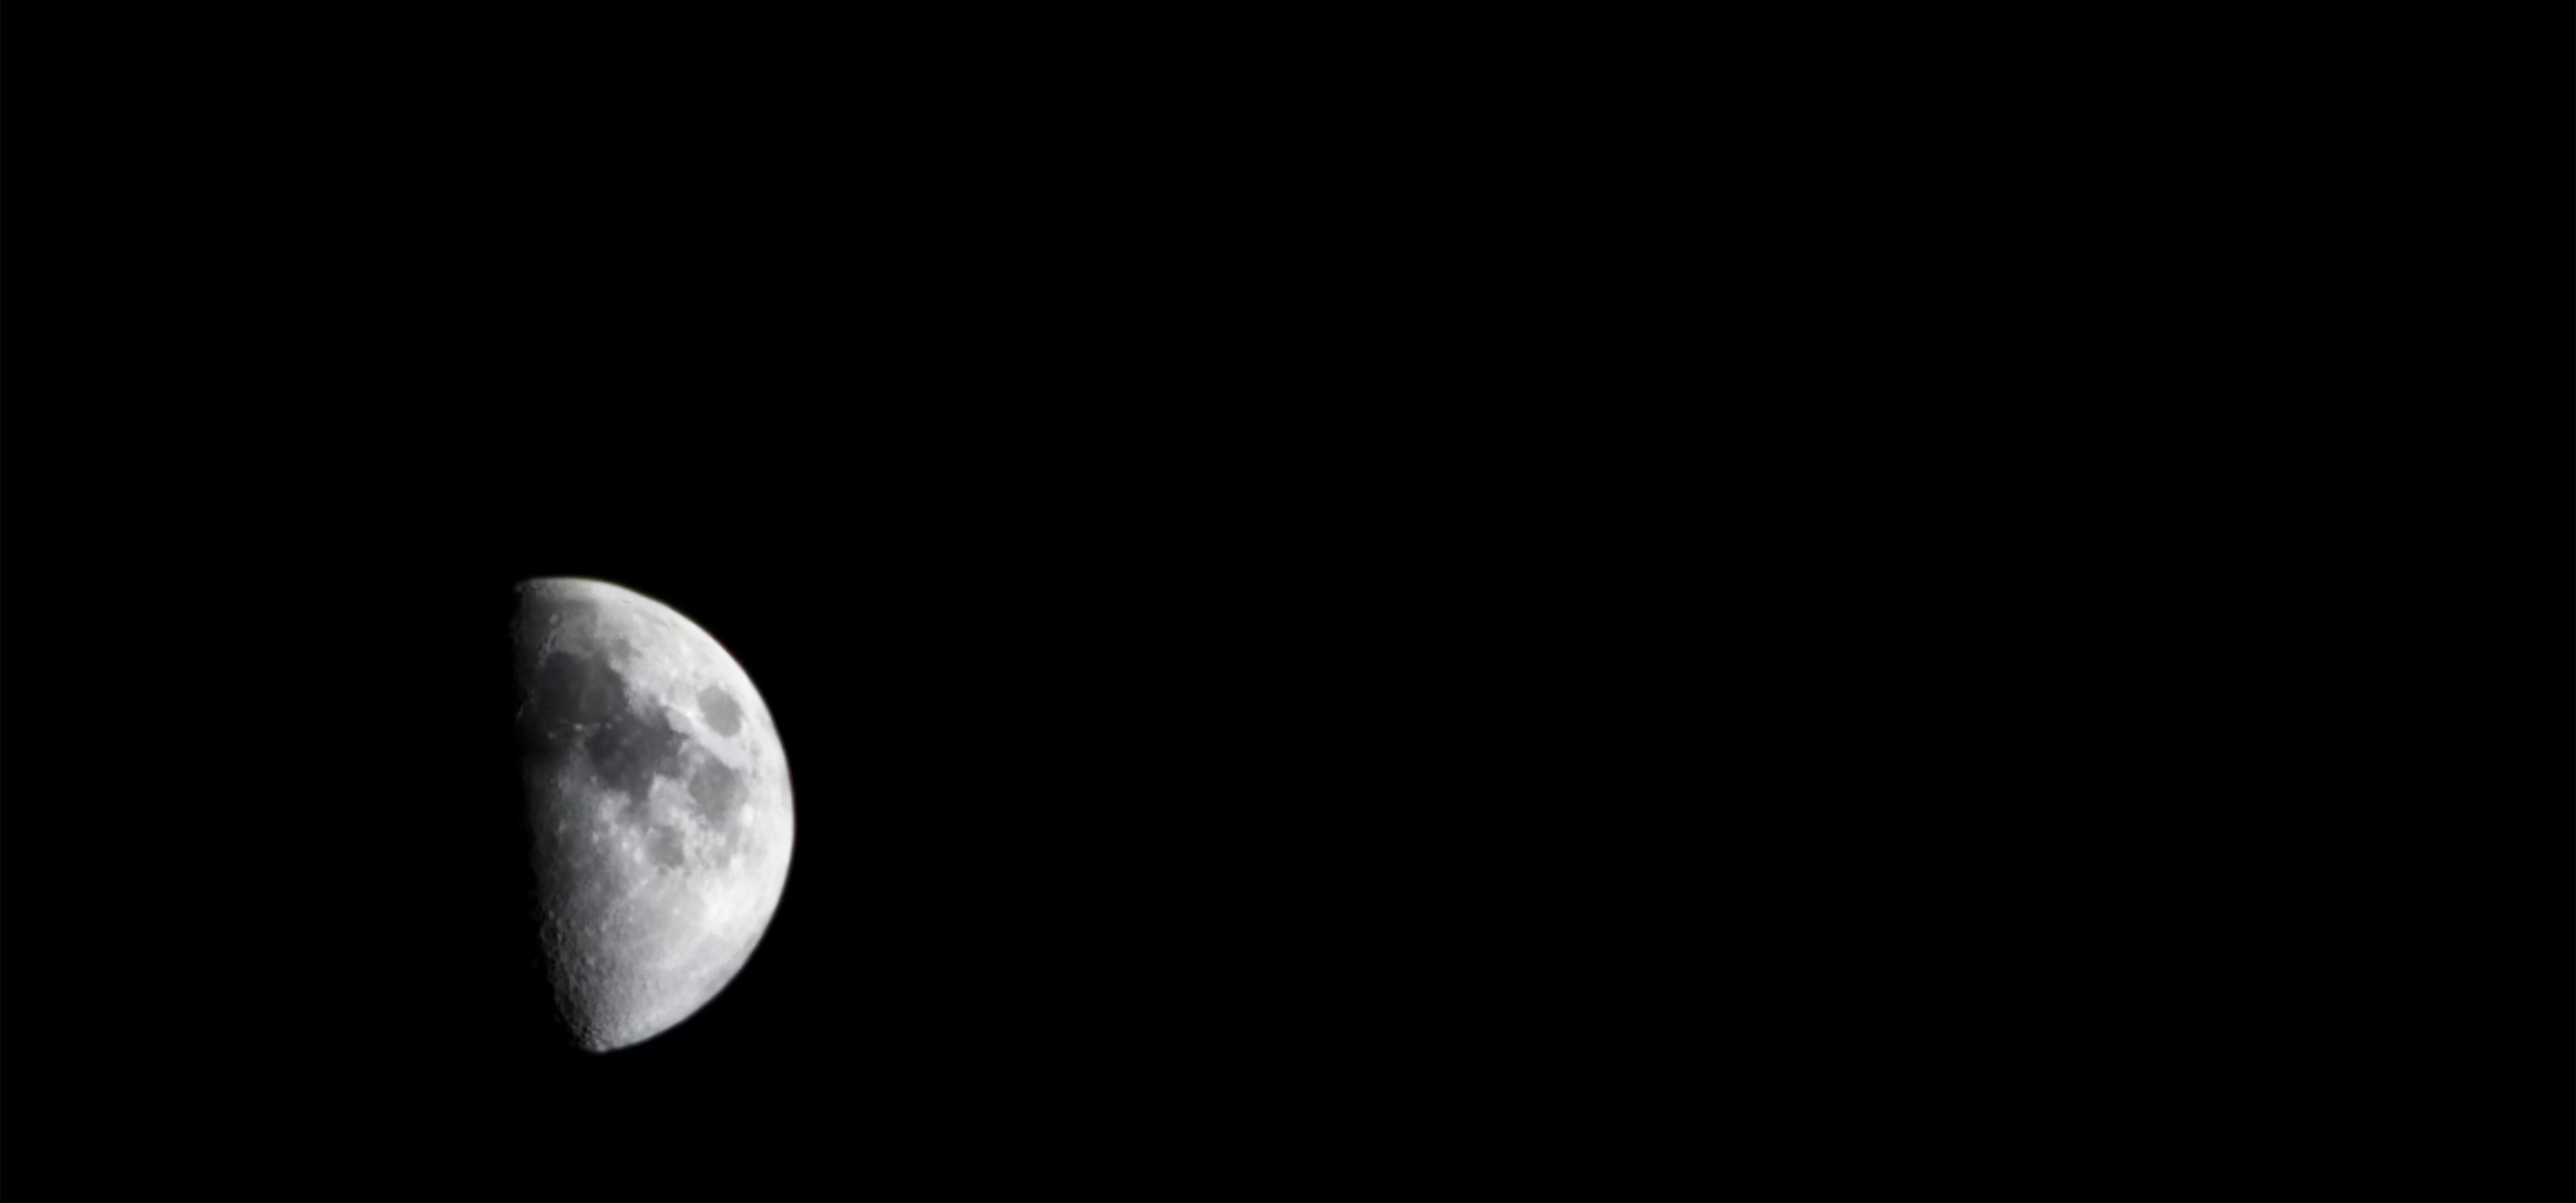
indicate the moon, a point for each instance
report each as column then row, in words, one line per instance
column 658, row 797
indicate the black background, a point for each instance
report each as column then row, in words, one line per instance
column 1318, row 658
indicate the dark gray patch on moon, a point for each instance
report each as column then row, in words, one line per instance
column 716, row 790
column 581, row 701
column 663, row 843
column 633, row 748
column 722, row 714
column 574, row 690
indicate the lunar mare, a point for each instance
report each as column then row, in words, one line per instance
column 659, row 801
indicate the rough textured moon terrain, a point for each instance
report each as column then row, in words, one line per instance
column 658, row 796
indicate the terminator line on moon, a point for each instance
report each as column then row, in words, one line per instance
column 659, row 800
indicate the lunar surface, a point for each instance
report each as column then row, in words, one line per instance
column 659, row 800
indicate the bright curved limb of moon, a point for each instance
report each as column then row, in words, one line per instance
column 659, row 799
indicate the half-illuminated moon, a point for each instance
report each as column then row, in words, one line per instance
column 659, row 799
